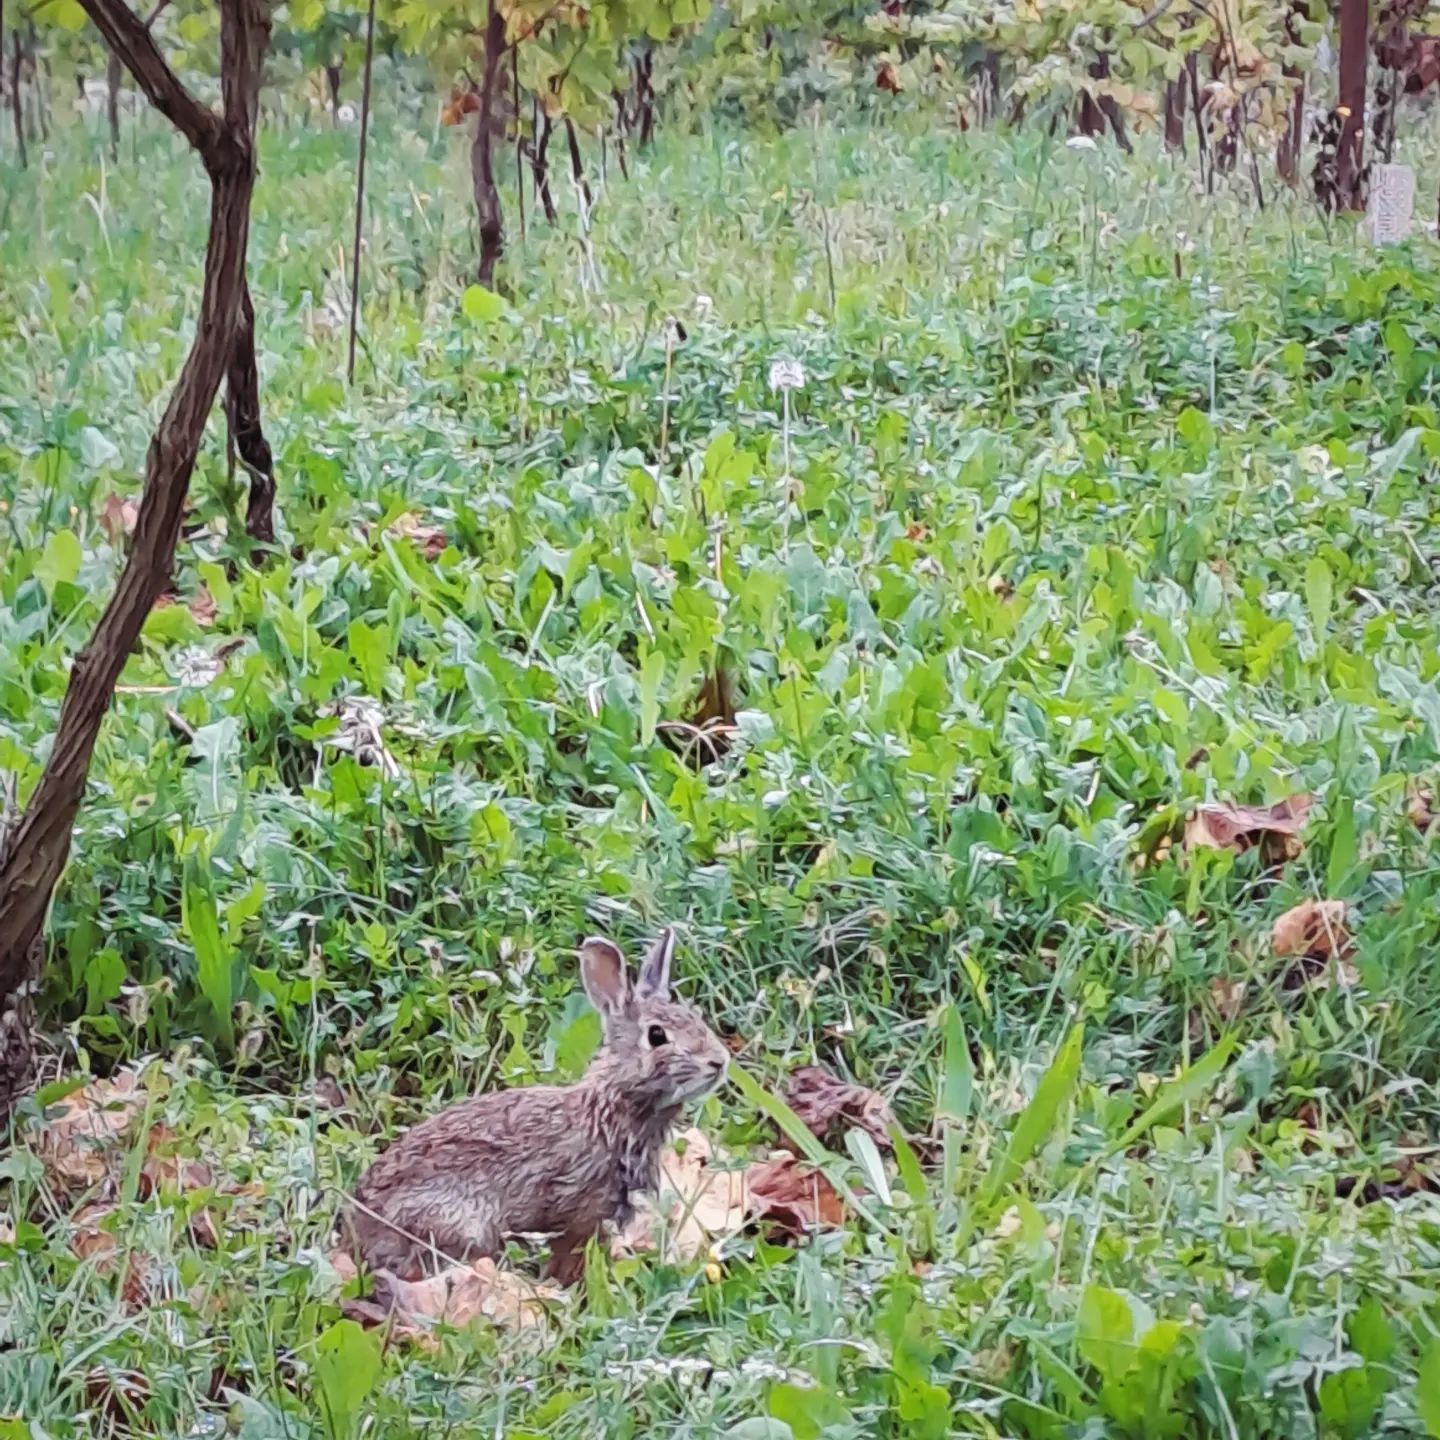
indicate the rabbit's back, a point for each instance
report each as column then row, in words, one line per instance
column 514, row 1162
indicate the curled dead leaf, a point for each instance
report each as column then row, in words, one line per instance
column 456, row 1296
column 1273, row 829
column 80, row 1140
column 91, row 1241
column 1314, row 929
column 167, row 1173
column 202, row 607
column 118, row 1395
column 698, row 1203
column 1421, row 807
column 887, row 79
column 329, row 1095
column 701, row 1201
column 1229, row 997
column 792, row 1198
column 826, row 1103
column 118, row 517
column 430, row 540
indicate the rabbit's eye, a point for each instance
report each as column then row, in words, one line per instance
column 657, row 1037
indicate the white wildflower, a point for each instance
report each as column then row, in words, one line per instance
column 1081, row 142
column 786, row 374
column 196, row 666
column 346, row 114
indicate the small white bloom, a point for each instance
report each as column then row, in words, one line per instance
column 195, row 666
column 703, row 305
column 346, row 114
column 1081, row 142
column 786, row 374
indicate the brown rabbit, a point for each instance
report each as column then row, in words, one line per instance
column 550, row 1159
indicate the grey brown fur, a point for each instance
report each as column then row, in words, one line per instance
column 554, row 1160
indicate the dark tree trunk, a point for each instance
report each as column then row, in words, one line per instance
column 17, row 110
column 1354, row 64
column 1394, row 54
column 39, row 96
column 645, row 95
column 577, row 165
column 542, row 168
column 17, row 1008
column 1089, row 118
column 114, row 74
column 990, row 68
column 40, row 846
column 1202, row 143
column 1175, row 115
column 2, row 48
column 359, row 228
column 519, row 139
column 622, row 129
column 1289, row 151
column 482, row 153
column 333, row 75
column 242, row 415
column 1098, row 111
column 1110, row 108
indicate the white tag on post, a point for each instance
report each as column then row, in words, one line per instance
column 1392, row 203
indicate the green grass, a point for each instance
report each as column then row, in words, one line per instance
column 1111, row 499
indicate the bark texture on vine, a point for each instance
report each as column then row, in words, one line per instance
column 39, row 846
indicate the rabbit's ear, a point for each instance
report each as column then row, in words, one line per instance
column 602, row 969
column 654, row 982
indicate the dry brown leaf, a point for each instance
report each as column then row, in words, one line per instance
column 826, row 1103
column 455, row 1296
column 81, row 1139
column 792, row 1198
column 430, row 540
column 116, row 1394
column 118, row 517
column 886, row 78
column 165, row 1172
column 699, row 1202
column 1275, row 829
column 344, row 1265
column 202, row 607
column 329, row 1095
column 91, row 1242
column 1421, row 807
column 1314, row 929
column 1228, row 995
column 481, row 1290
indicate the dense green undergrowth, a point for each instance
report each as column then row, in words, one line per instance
column 1099, row 500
